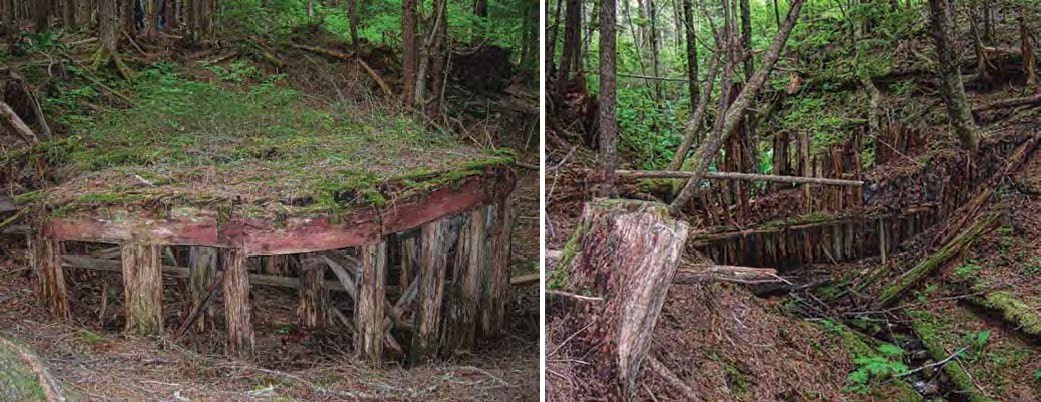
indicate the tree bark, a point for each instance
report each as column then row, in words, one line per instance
column 629, row 253
column 572, row 44
column 143, row 286
column 370, row 297
column 608, row 52
column 439, row 60
column 692, row 57
column 1027, row 49
column 237, row 309
column 313, row 298
column 352, row 17
column 951, row 88
column 708, row 150
column 49, row 276
column 409, row 44
column 41, row 11
column 433, row 260
column 495, row 291
column 202, row 271
column 655, row 46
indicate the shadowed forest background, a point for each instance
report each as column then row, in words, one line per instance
column 793, row 200
column 344, row 104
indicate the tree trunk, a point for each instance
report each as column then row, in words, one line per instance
column 959, row 111
column 572, row 44
column 439, row 60
column 49, row 275
column 608, row 37
column 69, row 14
column 1027, row 49
column 531, row 42
column 481, row 12
column 143, row 286
column 237, row 309
column 352, row 17
column 652, row 13
column 629, row 253
column 41, row 10
column 202, row 271
column 710, row 148
column 433, row 260
column 552, row 41
column 692, row 56
column 693, row 127
column 409, row 44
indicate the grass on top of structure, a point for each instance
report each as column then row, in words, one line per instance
column 263, row 148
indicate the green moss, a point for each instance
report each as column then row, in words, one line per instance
column 1013, row 310
column 17, row 381
column 933, row 337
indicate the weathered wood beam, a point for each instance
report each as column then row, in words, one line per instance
column 495, row 292
column 433, row 259
column 237, row 309
column 98, row 264
column 525, row 280
column 202, row 269
column 673, row 174
column 369, row 302
column 49, row 276
column 460, row 329
column 143, row 288
column 14, row 123
column 190, row 227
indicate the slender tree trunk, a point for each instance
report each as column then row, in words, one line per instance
column 1027, row 49
column 439, row 60
column 693, row 127
column 655, row 46
column 41, row 10
column 352, row 16
column 949, row 68
column 409, row 43
column 692, row 54
column 551, row 50
column 608, row 10
column 708, row 150
column 531, row 41
column 481, row 12
column 69, row 14
column 8, row 15
column 572, row 44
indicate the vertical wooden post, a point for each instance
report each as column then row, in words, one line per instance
column 202, row 270
column 495, row 292
column 313, row 305
column 49, row 276
column 409, row 261
column 143, row 287
column 369, row 302
column 433, row 258
column 465, row 292
column 277, row 265
column 804, row 169
column 236, row 303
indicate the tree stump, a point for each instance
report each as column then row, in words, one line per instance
column 369, row 303
column 495, row 291
column 143, row 287
column 433, row 258
column 313, row 306
column 237, row 309
column 626, row 252
column 202, row 270
column 49, row 276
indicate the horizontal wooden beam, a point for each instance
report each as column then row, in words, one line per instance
column 525, row 280
column 673, row 174
column 296, row 235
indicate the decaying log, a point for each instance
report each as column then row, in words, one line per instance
column 670, row 174
column 313, row 299
column 1010, row 103
column 705, row 273
column 49, row 276
column 1022, row 316
column 143, row 288
column 626, row 252
column 433, row 259
column 237, row 309
column 664, row 372
column 495, row 292
column 369, row 302
column 14, row 123
column 198, row 310
column 892, row 293
column 202, row 271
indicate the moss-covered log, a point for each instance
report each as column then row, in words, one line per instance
column 627, row 253
column 369, row 300
column 954, row 369
column 1013, row 310
column 237, row 310
column 49, row 276
column 143, row 287
column 909, row 279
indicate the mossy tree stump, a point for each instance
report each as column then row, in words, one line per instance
column 143, row 288
column 627, row 253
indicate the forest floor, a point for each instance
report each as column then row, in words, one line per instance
column 93, row 361
column 968, row 332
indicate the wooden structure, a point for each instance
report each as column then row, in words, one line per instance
column 444, row 253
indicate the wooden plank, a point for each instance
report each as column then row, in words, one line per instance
column 433, row 245
column 236, row 303
column 369, row 302
column 143, row 289
column 296, row 235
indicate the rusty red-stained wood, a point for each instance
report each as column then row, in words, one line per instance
column 296, row 235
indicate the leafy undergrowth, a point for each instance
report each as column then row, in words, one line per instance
column 186, row 142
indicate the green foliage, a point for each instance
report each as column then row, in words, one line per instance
column 886, row 362
column 968, row 270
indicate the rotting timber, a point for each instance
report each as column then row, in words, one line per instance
column 413, row 226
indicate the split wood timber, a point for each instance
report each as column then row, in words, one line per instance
column 483, row 264
column 672, row 174
column 629, row 254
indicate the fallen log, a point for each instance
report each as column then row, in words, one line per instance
column 1009, row 103
column 16, row 125
column 693, row 274
column 1014, row 311
column 892, row 293
column 674, row 174
column 629, row 254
